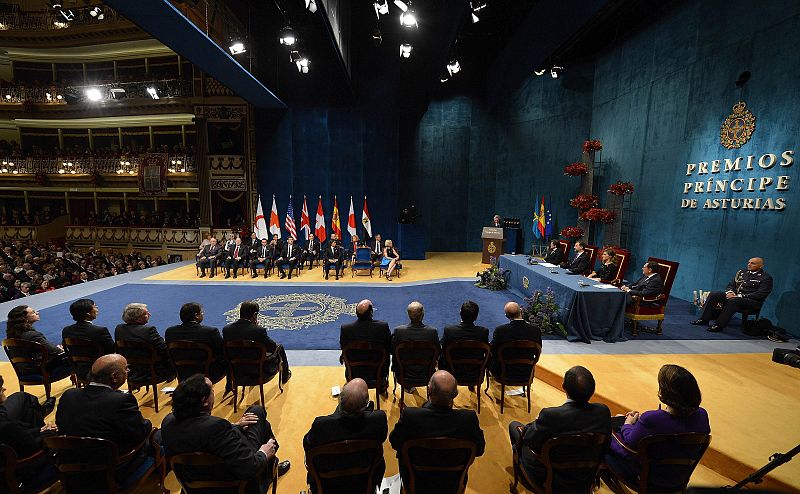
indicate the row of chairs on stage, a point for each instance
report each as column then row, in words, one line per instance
column 362, row 261
column 643, row 309
column 245, row 364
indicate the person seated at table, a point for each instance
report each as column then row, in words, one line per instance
column 390, row 258
column 580, row 263
column 681, row 412
column 609, row 265
column 648, row 286
column 554, row 255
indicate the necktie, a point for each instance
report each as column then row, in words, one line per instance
column 289, row 251
column 236, row 251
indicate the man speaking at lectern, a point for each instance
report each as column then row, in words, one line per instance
column 497, row 221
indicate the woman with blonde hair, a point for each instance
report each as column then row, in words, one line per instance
column 390, row 258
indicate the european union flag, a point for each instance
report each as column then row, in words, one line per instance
column 548, row 219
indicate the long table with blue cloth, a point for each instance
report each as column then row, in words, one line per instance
column 588, row 313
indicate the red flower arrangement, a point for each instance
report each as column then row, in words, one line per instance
column 572, row 232
column 599, row 214
column 621, row 188
column 577, row 169
column 592, row 145
column 584, row 201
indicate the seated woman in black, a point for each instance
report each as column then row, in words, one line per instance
column 609, row 265
column 390, row 258
column 20, row 326
column 554, row 255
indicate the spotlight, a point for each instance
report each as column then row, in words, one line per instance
column 540, row 72
column 475, row 18
column 453, row 67
column 476, row 6
column 311, row 5
column 93, row 94
column 8, row 96
column 61, row 171
column 408, row 19
column 381, row 7
column 444, row 77
column 287, row 36
column 67, row 14
column 153, row 92
column 116, row 93
column 59, row 97
column 556, row 71
column 377, row 38
column 300, row 60
column 237, row 47
column 49, row 96
column 401, row 5
column 97, row 12
column 405, row 50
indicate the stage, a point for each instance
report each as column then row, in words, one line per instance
column 752, row 402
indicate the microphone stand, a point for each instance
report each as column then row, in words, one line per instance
column 775, row 461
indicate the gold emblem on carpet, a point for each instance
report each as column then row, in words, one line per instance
column 297, row 310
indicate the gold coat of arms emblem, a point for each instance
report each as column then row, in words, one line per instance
column 492, row 248
column 738, row 128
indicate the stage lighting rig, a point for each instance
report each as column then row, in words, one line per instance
column 377, row 37
column 540, row 72
column 288, row 36
column 93, row 94
column 153, row 92
column 405, row 50
column 97, row 13
column 453, row 67
column 381, row 7
column 237, row 47
column 300, row 60
column 476, row 6
column 311, row 5
column 408, row 19
column 555, row 71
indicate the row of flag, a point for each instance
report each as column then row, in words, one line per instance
column 263, row 231
column 542, row 218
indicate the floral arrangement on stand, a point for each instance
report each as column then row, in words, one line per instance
column 572, row 232
column 584, row 201
column 599, row 214
column 592, row 145
column 493, row 278
column 541, row 310
column 576, row 169
column 621, row 188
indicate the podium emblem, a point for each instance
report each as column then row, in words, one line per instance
column 738, row 128
column 491, row 248
column 525, row 282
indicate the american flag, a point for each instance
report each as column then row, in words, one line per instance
column 289, row 223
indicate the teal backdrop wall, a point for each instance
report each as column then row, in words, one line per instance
column 656, row 99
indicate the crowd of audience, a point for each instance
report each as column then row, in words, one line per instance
column 17, row 217
column 144, row 219
column 12, row 150
column 248, row 446
column 31, row 267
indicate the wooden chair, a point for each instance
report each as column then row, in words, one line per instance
column 182, row 353
column 142, row 357
column 24, row 356
column 564, row 246
column 623, row 258
column 653, row 308
column 211, row 462
column 592, row 250
column 591, row 447
column 81, row 354
column 354, row 450
column 467, row 361
column 528, row 353
column 414, row 354
column 375, row 358
column 244, row 355
column 362, row 262
column 415, row 466
column 12, row 464
column 99, row 459
column 657, row 465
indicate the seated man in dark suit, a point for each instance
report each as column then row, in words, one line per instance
column 648, row 286
column 247, row 447
column 376, row 246
column 209, row 257
column 437, row 418
column 236, row 258
column 580, row 263
column 190, row 329
column 84, row 311
column 367, row 330
column 575, row 416
column 136, row 317
column 415, row 330
column 312, row 251
column 247, row 328
column 333, row 255
column 747, row 291
column 99, row 410
column 554, row 255
column 22, row 428
column 353, row 419
column 516, row 329
column 290, row 254
column 261, row 254
column 465, row 330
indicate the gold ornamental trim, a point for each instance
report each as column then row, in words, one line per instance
column 525, row 282
column 738, row 128
column 491, row 248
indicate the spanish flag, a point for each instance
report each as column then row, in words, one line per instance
column 336, row 227
column 542, row 218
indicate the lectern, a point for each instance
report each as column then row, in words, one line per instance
column 492, row 243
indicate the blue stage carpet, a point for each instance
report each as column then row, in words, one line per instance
column 309, row 317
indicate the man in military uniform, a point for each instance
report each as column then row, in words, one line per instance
column 747, row 291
